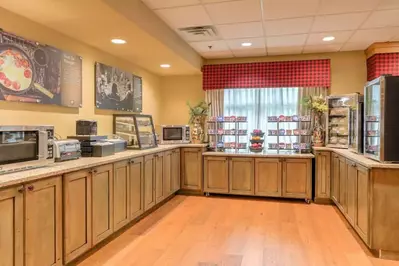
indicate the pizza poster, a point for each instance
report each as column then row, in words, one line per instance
column 36, row 73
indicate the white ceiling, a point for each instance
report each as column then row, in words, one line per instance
column 276, row 27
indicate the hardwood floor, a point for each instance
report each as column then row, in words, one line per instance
column 236, row 232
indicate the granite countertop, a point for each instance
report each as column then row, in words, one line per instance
column 264, row 154
column 82, row 163
column 358, row 158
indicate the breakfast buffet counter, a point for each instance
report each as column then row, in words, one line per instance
column 358, row 158
column 264, row 154
column 83, row 163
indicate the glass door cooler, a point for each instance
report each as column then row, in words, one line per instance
column 381, row 119
column 344, row 122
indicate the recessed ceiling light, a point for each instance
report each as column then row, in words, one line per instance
column 328, row 38
column 165, row 66
column 118, row 41
column 246, row 44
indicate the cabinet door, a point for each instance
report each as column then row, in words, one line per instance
column 323, row 171
column 335, row 178
column 297, row 178
column 136, row 187
column 342, row 184
column 191, row 172
column 121, row 194
column 159, row 186
column 168, row 188
column 216, row 175
column 149, row 182
column 268, row 177
column 11, row 226
column 241, row 176
column 351, row 177
column 176, row 170
column 362, row 203
column 43, row 222
column 77, row 214
column 102, row 200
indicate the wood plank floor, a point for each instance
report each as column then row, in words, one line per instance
column 229, row 231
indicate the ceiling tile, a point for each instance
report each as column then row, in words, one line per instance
column 156, row 4
column 277, row 9
column 196, row 38
column 346, row 6
column 240, row 30
column 217, row 54
column 288, row 26
column 339, row 22
column 340, row 37
column 374, row 35
column 322, row 48
column 236, row 44
column 250, row 52
column 355, row 46
column 286, row 41
column 234, row 12
column 185, row 16
column 202, row 47
column 383, row 18
column 388, row 4
column 284, row 50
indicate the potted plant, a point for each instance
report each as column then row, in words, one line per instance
column 318, row 106
column 198, row 114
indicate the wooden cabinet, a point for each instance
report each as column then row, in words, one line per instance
column 43, row 222
column 297, row 178
column 351, row 177
column 268, row 177
column 121, row 194
column 136, row 188
column 149, row 182
column 191, row 169
column 335, row 178
column 167, row 174
column 241, row 176
column 323, row 171
column 159, row 175
column 342, row 203
column 175, row 167
column 362, row 208
column 102, row 203
column 216, row 176
column 11, row 226
column 77, row 214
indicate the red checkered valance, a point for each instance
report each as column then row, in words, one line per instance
column 380, row 64
column 305, row 73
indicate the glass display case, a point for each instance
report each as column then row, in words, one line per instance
column 381, row 124
column 137, row 130
column 344, row 122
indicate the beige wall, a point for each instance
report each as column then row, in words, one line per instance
column 175, row 92
column 61, row 117
column 348, row 69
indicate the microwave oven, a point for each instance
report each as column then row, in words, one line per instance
column 173, row 134
column 25, row 147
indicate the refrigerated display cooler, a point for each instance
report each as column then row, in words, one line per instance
column 381, row 119
column 344, row 125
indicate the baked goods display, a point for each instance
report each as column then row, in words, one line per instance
column 257, row 140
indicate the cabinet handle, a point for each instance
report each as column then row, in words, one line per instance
column 21, row 189
column 353, row 165
column 93, row 171
column 31, row 187
column 131, row 161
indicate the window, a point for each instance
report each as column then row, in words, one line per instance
column 257, row 105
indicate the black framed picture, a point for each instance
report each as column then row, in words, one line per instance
column 117, row 89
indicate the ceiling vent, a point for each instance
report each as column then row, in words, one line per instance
column 199, row 33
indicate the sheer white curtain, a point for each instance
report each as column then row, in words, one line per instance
column 258, row 104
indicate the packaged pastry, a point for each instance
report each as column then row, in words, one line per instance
column 296, row 146
column 220, row 119
column 281, row 145
column 288, row 118
column 288, row 146
column 295, row 118
column 272, row 118
column 288, row 132
column 241, row 118
column 296, row 132
column 281, row 132
column 281, row 118
column 220, row 131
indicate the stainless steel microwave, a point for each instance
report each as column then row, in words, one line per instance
column 25, row 147
column 172, row 134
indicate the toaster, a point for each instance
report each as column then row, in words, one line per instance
column 67, row 149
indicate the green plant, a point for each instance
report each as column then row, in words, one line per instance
column 316, row 104
column 200, row 109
